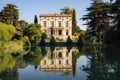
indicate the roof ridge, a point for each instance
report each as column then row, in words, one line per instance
column 55, row 14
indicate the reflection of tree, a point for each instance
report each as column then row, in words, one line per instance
column 43, row 50
column 113, row 59
column 33, row 57
column 69, row 48
column 9, row 74
column 75, row 55
column 52, row 50
column 6, row 61
column 97, row 67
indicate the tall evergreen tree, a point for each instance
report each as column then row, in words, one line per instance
column 67, row 10
column 115, row 11
column 97, row 18
column 114, row 32
column 74, row 23
column 35, row 19
column 9, row 14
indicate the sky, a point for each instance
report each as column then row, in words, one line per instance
column 29, row 8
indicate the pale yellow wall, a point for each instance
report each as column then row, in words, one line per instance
column 56, row 20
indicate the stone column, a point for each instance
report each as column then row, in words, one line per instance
column 53, row 32
column 57, row 32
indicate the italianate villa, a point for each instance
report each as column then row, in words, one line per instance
column 57, row 25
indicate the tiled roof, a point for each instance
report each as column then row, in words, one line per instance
column 55, row 15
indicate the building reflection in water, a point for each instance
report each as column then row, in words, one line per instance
column 58, row 60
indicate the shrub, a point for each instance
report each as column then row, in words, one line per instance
column 80, row 40
column 93, row 39
column 69, row 41
column 26, row 41
column 52, row 41
column 42, row 41
column 74, row 38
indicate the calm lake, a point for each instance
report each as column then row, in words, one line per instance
column 61, row 63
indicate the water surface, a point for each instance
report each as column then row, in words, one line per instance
column 61, row 63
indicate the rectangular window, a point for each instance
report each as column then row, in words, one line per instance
column 60, row 32
column 51, row 32
column 44, row 24
column 67, row 32
column 52, row 23
column 67, row 24
column 44, row 62
column 59, row 23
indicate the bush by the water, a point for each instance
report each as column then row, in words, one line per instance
column 42, row 41
column 69, row 41
column 52, row 41
column 80, row 40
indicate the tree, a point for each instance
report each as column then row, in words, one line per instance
column 97, row 18
column 80, row 40
column 35, row 20
column 66, row 10
column 33, row 31
column 115, row 13
column 9, row 14
column 69, row 41
column 23, row 25
column 6, row 32
column 75, row 28
column 6, row 61
column 52, row 41
column 21, row 28
column 43, row 37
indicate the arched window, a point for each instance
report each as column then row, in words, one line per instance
column 60, row 54
column 67, row 53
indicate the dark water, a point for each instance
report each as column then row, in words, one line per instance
column 61, row 63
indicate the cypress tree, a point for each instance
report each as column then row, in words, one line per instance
column 74, row 23
column 35, row 19
column 67, row 10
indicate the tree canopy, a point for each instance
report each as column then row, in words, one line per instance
column 67, row 10
column 9, row 14
column 97, row 18
column 6, row 32
column 33, row 31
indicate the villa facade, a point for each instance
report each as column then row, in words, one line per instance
column 57, row 25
